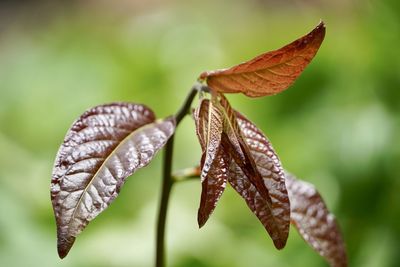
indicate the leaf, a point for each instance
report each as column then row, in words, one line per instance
column 246, row 158
column 273, row 214
column 209, row 129
column 233, row 147
column 214, row 175
column 238, row 148
column 314, row 222
column 212, row 187
column 104, row 146
column 269, row 73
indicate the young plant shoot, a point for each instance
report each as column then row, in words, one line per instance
column 108, row 143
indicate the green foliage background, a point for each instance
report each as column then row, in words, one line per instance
column 337, row 127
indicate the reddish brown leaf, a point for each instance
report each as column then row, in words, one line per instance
column 271, row 72
column 213, row 186
column 274, row 214
column 104, row 146
column 238, row 149
column 231, row 129
column 215, row 177
column 314, row 222
column 209, row 129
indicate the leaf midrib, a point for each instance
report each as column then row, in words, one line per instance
column 101, row 167
column 221, row 73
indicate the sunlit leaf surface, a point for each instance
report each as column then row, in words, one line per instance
column 103, row 147
column 268, row 73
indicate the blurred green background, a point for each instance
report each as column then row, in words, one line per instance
column 337, row 127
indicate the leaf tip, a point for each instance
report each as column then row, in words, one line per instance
column 201, row 219
column 64, row 244
column 320, row 29
column 279, row 243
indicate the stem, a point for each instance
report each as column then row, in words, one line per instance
column 165, row 193
column 167, row 177
column 186, row 174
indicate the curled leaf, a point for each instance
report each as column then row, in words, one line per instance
column 212, row 187
column 238, row 149
column 314, row 222
column 214, row 173
column 209, row 129
column 103, row 147
column 246, row 167
column 268, row 73
column 273, row 214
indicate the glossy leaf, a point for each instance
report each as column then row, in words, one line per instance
column 274, row 214
column 212, row 187
column 238, row 149
column 314, row 222
column 104, row 146
column 214, row 179
column 209, row 129
column 268, row 73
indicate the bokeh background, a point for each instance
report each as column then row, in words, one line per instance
column 337, row 127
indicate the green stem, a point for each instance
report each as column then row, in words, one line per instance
column 167, row 178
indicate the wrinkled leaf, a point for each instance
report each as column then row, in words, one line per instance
column 209, row 130
column 268, row 73
column 212, row 187
column 104, row 146
column 274, row 214
column 238, row 149
column 314, row 222
column 231, row 129
column 214, row 179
